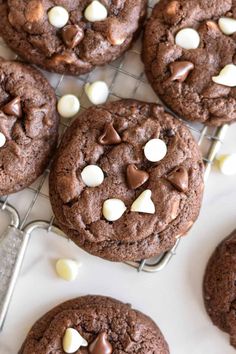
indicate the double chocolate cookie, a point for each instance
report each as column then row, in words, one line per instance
column 94, row 325
column 220, row 287
column 189, row 54
column 127, row 180
column 70, row 37
column 28, row 125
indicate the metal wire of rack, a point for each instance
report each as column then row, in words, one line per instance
column 125, row 80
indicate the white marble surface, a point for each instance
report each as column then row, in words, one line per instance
column 173, row 297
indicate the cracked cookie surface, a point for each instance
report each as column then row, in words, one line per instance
column 28, row 123
column 175, row 182
column 80, row 45
column 194, row 96
column 128, row 330
column 219, row 286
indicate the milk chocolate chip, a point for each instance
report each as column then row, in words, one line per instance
column 65, row 58
column 101, row 345
column 136, row 177
column 212, row 26
column 172, row 8
column 109, row 136
column 180, row 70
column 34, row 11
column 179, row 179
column 72, row 35
column 13, row 108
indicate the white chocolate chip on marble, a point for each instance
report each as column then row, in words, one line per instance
column 188, row 38
column 72, row 341
column 2, row 140
column 227, row 164
column 58, row 16
column 227, row 25
column 68, row 106
column 155, row 150
column 227, row 76
column 95, row 12
column 144, row 203
column 97, row 92
column 92, row 176
column 113, row 209
column 67, row 269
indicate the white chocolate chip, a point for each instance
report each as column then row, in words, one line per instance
column 92, row 176
column 155, row 150
column 72, row 341
column 113, row 209
column 144, row 203
column 2, row 140
column 188, row 38
column 227, row 164
column 58, row 16
column 68, row 106
column 95, row 12
column 227, row 25
column 67, row 269
column 227, row 76
column 97, row 92
column 119, row 41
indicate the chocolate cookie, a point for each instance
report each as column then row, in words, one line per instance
column 28, row 125
column 189, row 54
column 70, row 37
column 220, row 287
column 127, row 180
column 103, row 325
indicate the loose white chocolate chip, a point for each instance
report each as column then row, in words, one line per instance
column 2, row 140
column 113, row 209
column 227, row 25
column 95, row 12
column 227, row 76
column 68, row 106
column 155, row 150
column 67, row 269
column 92, row 176
column 97, row 92
column 227, row 164
column 144, row 203
column 72, row 341
column 188, row 38
column 58, row 16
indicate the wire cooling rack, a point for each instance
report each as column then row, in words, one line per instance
column 125, row 78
